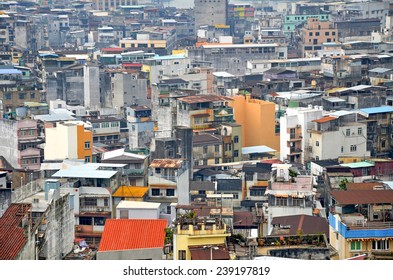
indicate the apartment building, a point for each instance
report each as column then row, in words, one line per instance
column 315, row 33
column 68, row 140
column 20, row 143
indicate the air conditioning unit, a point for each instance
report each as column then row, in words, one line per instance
column 100, row 209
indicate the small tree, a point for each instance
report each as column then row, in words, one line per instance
column 343, row 184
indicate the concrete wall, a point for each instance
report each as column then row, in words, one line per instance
column 257, row 118
column 139, row 213
column 208, row 13
column 139, row 254
column 91, row 86
column 9, row 142
column 61, row 142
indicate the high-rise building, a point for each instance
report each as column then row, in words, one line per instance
column 210, row 12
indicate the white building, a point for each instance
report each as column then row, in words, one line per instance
column 137, row 210
column 168, row 66
column 293, row 132
column 338, row 135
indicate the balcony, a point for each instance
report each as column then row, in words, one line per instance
column 134, row 172
column 295, row 151
column 372, row 229
column 95, row 209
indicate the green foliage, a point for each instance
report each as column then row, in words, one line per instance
column 292, row 173
column 343, row 184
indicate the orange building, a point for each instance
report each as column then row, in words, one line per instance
column 258, row 121
column 85, row 143
column 315, row 33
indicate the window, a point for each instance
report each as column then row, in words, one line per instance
column 236, row 139
column 353, row 148
column 96, row 125
column 281, row 201
column 182, row 254
column 87, row 159
column 106, row 202
column 105, row 125
column 88, row 201
column 317, row 158
column 310, row 34
column 114, row 124
column 22, row 95
column 257, row 192
column 168, row 209
column 32, row 95
column 380, row 245
column 347, row 132
column 292, row 133
column 8, row 96
column 216, row 148
column 85, row 221
column 317, row 143
column 87, row 145
column 170, row 192
column 31, row 132
column 155, row 192
column 384, row 130
column 360, row 131
column 205, row 149
column 356, row 246
column 327, row 33
column 297, row 202
column 383, row 143
column 236, row 153
column 216, row 160
column 158, row 170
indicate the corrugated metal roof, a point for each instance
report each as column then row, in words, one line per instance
column 363, row 197
column 131, row 234
column 325, row 119
column 377, row 110
column 358, row 164
column 10, row 72
column 257, row 149
column 307, row 224
column 130, row 191
column 203, row 98
column 90, row 170
column 210, row 252
column 12, row 235
column 166, row 163
column 137, row 205
column 93, row 191
column 380, row 70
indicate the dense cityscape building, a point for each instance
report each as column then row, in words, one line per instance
column 223, row 130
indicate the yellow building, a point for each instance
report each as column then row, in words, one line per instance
column 200, row 241
column 258, row 121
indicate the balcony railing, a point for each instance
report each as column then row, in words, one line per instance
column 135, row 172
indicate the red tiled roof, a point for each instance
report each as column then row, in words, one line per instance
column 12, row 235
column 112, row 50
column 125, row 64
column 325, row 119
column 130, row 234
column 363, row 197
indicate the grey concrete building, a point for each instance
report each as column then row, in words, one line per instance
column 210, row 12
column 232, row 58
